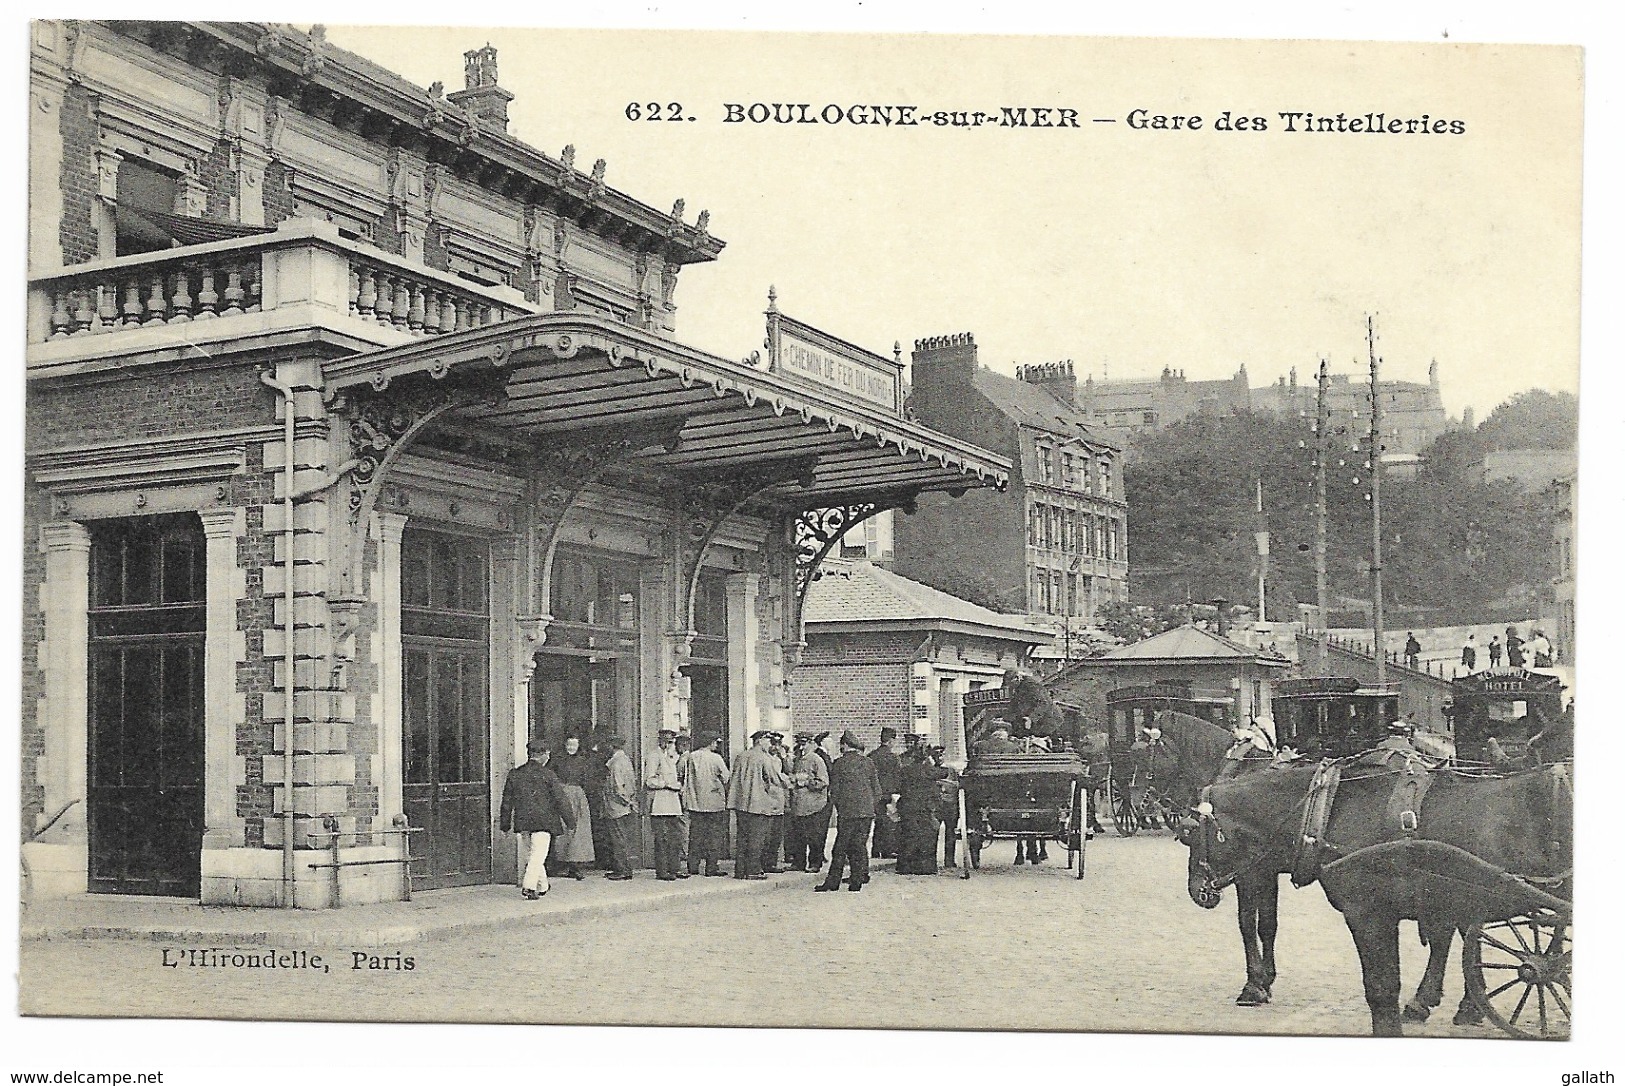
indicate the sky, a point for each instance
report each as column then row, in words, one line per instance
column 1122, row 249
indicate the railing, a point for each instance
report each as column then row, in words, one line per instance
column 169, row 290
column 386, row 294
column 1438, row 669
column 302, row 262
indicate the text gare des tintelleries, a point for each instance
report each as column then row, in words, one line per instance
column 1370, row 122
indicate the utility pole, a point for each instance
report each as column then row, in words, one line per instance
column 1322, row 421
column 1376, row 503
column 1262, row 536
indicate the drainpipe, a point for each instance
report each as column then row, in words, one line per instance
column 288, row 462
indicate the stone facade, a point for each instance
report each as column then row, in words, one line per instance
column 1054, row 543
column 1121, row 409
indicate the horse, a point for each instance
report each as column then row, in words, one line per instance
column 1201, row 756
column 1252, row 826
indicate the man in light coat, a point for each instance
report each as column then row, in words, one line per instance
column 756, row 792
column 620, row 808
column 808, row 803
column 704, row 777
column 665, row 791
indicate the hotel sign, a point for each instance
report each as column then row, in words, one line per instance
column 803, row 353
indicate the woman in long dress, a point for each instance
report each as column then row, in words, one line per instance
column 573, row 847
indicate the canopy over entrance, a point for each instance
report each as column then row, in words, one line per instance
column 555, row 377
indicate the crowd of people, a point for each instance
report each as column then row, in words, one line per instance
column 1514, row 651
column 579, row 808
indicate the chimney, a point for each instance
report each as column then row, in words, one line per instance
column 1057, row 378
column 943, row 369
column 482, row 96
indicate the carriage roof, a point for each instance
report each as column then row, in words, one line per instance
column 1330, row 688
column 1505, row 684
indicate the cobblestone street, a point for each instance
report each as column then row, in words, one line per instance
column 1122, row 950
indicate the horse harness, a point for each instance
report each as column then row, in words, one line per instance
column 1413, row 777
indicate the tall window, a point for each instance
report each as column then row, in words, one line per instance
column 1046, row 464
column 1069, row 471
column 146, row 199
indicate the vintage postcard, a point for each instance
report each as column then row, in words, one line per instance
column 896, row 531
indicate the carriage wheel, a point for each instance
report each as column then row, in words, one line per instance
column 1517, row 972
column 1123, row 816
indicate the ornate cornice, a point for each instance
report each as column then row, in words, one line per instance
column 327, row 82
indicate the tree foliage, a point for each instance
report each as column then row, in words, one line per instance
column 1535, row 419
column 1454, row 548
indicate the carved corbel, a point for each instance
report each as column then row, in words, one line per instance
column 346, row 612
column 533, row 628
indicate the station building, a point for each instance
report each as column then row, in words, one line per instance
column 361, row 447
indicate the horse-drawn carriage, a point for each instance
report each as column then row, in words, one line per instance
column 1132, row 786
column 1482, row 849
column 1506, row 718
column 1031, row 788
column 1331, row 716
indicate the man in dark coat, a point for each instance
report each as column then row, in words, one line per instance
column 534, row 806
column 854, row 792
column 597, row 777
column 919, row 807
column 889, row 768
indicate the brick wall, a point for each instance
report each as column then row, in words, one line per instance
column 219, row 182
column 858, row 647
column 982, row 534
column 255, row 613
column 434, row 247
column 153, row 403
column 33, row 685
column 79, row 141
column 277, row 192
column 859, row 681
column 386, row 237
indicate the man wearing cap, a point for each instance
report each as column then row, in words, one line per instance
column 704, row 776
column 809, row 800
column 890, row 770
column 535, row 807
column 620, row 808
column 665, row 794
column 773, row 847
column 854, row 792
column 756, row 792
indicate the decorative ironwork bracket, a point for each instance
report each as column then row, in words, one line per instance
column 706, row 507
column 560, row 476
column 383, row 422
column 817, row 531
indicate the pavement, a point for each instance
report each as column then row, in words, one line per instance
column 430, row 915
column 1011, row 948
